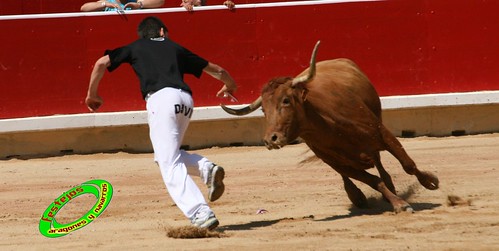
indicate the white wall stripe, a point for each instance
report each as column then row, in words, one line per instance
column 90, row 120
column 441, row 99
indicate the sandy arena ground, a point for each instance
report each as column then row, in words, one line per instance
column 306, row 206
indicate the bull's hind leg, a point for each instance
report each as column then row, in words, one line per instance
column 427, row 179
column 354, row 193
column 399, row 205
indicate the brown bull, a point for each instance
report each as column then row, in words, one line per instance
column 335, row 109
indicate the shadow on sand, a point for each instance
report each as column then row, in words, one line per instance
column 377, row 206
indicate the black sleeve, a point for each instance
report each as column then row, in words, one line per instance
column 193, row 64
column 118, row 56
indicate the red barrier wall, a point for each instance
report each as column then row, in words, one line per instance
column 405, row 47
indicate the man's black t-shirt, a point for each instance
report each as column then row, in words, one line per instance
column 158, row 63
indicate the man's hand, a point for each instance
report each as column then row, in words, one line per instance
column 221, row 74
column 231, row 5
column 93, row 102
column 227, row 92
column 189, row 4
column 112, row 5
column 132, row 5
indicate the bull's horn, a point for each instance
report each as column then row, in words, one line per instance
column 311, row 71
column 246, row 110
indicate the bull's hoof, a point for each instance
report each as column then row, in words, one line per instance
column 428, row 180
column 404, row 208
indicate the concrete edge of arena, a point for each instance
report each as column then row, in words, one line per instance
column 406, row 116
column 210, row 113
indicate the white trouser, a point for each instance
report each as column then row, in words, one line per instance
column 169, row 111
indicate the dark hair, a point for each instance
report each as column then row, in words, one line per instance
column 150, row 27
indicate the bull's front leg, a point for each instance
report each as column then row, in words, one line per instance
column 427, row 179
column 354, row 194
column 399, row 205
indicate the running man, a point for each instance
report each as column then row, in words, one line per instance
column 160, row 65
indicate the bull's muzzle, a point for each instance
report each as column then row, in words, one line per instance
column 275, row 140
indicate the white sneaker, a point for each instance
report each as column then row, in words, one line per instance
column 216, row 185
column 205, row 220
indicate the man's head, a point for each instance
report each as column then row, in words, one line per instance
column 152, row 27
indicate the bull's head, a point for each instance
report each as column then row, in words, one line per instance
column 282, row 103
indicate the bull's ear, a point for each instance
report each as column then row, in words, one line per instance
column 304, row 94
column 299, row 85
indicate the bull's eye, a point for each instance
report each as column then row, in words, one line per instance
column 285, row 101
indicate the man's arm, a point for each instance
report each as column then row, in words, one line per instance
column 222, row 75
column 98, row 6
column 145, row 4
column 189, row 4
column 93, row 100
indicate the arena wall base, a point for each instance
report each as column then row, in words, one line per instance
column 133, row 138
column 442, row 121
